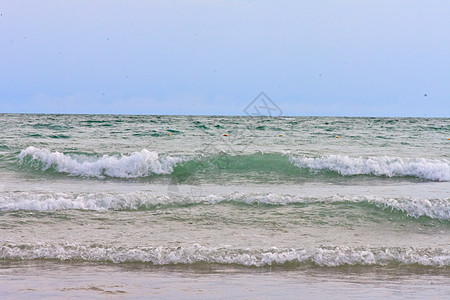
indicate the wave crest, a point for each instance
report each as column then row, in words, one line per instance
column 137, row 164
column 431, row 169
column 145, row 163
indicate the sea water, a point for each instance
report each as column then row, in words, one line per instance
column 213, row 206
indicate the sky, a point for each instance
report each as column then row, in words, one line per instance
column 319, row 58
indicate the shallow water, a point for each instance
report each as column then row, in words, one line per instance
column 39, row 279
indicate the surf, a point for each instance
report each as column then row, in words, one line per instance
column 323, row 256
column 204, row 166
column 433, row 208
column 137, row 164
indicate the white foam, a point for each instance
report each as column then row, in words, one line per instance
column 137, row 164
column 433, row 208
column 330, row 256
column 431, row 169
column 84, row 201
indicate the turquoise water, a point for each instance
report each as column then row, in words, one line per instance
column 304, row 196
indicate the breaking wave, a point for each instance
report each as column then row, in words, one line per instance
column 432, row 208
column 431, row 169
column 329, row 256
column 269, row 166
column 137, row 164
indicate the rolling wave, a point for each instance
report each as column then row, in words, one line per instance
column 146, row 163
column 433, row 208
column 137, row 164
column 328, row 256
column 431, row 169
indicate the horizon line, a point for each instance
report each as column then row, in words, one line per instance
column 214, row 115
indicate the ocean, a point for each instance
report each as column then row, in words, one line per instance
column 137, row 206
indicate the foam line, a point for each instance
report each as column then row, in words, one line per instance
column 328, row 256
column 433, row 208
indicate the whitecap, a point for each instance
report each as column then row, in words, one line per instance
column 137, row 164
column 431, row 169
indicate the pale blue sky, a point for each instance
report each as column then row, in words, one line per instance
column 345, row 58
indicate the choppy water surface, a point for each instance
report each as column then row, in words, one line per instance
column 301, row 197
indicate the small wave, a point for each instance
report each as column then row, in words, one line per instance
column 328, row 256
column 137, row 164
column 432, row 208
column 430, row 169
